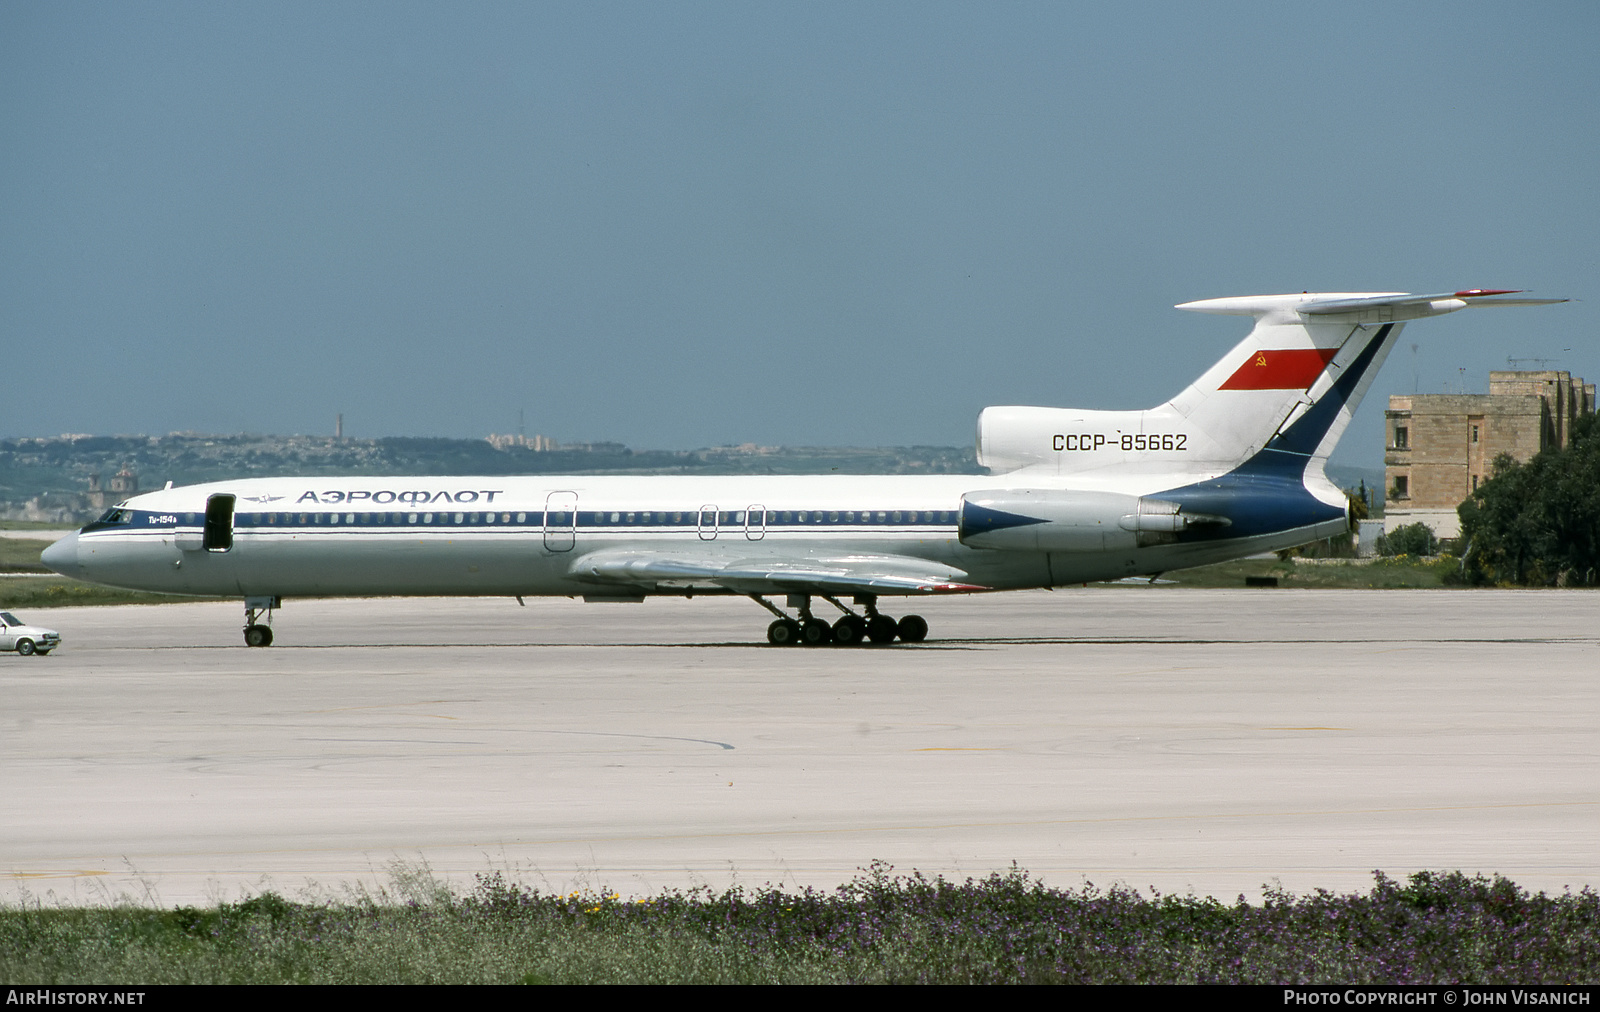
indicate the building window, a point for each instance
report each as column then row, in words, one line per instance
column 1402, row 487
column 1474, row 433
column 1474, row 483
column 1402, row 437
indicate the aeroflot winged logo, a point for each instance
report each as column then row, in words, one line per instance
column 1281, row 369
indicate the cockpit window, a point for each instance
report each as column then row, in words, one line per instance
column 117, row 515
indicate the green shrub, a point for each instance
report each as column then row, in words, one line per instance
column 1412, row 539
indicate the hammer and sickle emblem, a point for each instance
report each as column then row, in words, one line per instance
column 1261, row 358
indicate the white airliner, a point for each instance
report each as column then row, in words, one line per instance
column 1231, row 466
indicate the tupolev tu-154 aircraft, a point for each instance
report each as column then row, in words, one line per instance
column 1230, row 467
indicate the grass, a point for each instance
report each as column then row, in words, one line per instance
column 21, row 555
column 19, row 592
column 1407, row 572
column 878, row 928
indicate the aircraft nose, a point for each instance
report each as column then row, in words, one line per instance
column 63, row 556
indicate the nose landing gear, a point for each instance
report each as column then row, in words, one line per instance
column 258, row 620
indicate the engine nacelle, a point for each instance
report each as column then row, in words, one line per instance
column 1058, row 520
column 1071, row 441
column 1014, row 437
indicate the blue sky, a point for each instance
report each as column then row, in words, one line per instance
column 688, row 224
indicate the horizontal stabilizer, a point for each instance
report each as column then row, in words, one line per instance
column 1469, row 297
column 1394, row 305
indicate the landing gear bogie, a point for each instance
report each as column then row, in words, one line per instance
column 849, row 630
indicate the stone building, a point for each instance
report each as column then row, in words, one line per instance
column 123, row 486
column 1441, row 447
column 539, row 444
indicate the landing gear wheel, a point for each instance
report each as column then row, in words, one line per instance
column 785, row 632
column 815, row 633
column 849, row 631
column 258, row 620
column 25, row 647
column 912, row 629
column 881, row 629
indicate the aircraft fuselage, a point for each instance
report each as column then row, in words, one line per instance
column 527, row 536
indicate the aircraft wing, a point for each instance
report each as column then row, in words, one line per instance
column 845, row 574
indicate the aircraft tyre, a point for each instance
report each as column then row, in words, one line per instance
column 258, row 636
column 25, row 647
column 849, row 631
column 881, row 629
column 912, row 629
column 784, row 632
column 815, row 633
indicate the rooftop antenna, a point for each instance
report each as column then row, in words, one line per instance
column 1512, row 362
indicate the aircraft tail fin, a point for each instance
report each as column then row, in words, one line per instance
column 1277, row 401
column 1284, row 395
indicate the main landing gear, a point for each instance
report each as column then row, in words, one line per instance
column 258, row 620
column 850, row 630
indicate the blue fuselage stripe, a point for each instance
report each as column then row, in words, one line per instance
column 150, row 522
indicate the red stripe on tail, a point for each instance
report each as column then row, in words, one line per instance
column 1283, row 369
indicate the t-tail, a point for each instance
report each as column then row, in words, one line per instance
column 1275, row 404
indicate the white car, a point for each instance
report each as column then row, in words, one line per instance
column 25, row 639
